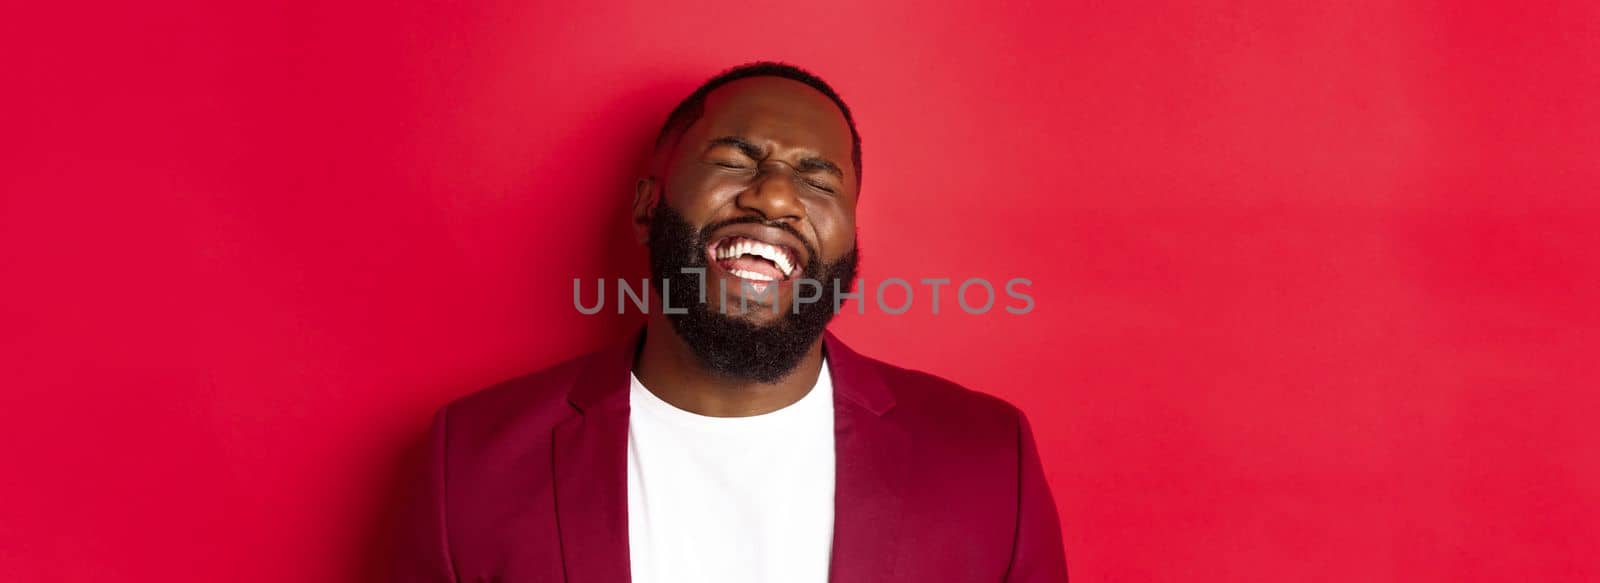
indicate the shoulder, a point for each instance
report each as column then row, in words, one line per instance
column 937, row 409
column 515, row 409
column 961, row 444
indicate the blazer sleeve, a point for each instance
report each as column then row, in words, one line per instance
column 1037, row 555
column 421, row 553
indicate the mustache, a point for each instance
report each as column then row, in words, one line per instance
column 811, row 251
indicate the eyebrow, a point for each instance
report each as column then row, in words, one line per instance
column 745, row 146
column 813, row 164
column 806, row 165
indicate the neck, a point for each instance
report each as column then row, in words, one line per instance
column 669, row 369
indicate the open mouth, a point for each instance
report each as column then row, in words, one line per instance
column 757, row 261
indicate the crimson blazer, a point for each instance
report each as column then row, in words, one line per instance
column 526, row 481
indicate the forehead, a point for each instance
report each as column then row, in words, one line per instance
column 787, row 112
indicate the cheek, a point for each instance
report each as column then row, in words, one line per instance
column 835, row 231
column 692, row 203
column 700, row 197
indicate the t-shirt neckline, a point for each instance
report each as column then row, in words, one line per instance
column 644, row 401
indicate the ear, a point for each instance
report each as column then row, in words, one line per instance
column 645, row 198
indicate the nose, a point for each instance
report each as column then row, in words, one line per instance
column 773, row 194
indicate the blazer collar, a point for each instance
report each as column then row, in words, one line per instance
column 602, row 381
column 590, row 469
column 871, row 453
column 855, row 378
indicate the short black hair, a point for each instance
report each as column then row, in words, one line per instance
column 692, row 107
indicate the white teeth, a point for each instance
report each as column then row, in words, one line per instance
column 751, row 275
column 780, row 259
column 769, row 252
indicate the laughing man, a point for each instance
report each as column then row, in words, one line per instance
column 732, row 442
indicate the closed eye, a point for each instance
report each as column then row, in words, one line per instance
column 820, row 186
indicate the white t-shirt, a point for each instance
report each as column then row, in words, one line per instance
column 731, row 499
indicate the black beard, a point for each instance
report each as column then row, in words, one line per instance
column 731, row 346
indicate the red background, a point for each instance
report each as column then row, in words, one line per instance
column 1316, row 286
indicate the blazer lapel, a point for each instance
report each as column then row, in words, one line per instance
column 590, row 471
column 870, row 474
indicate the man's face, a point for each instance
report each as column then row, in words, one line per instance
column 760, row 193
column 767, row 168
